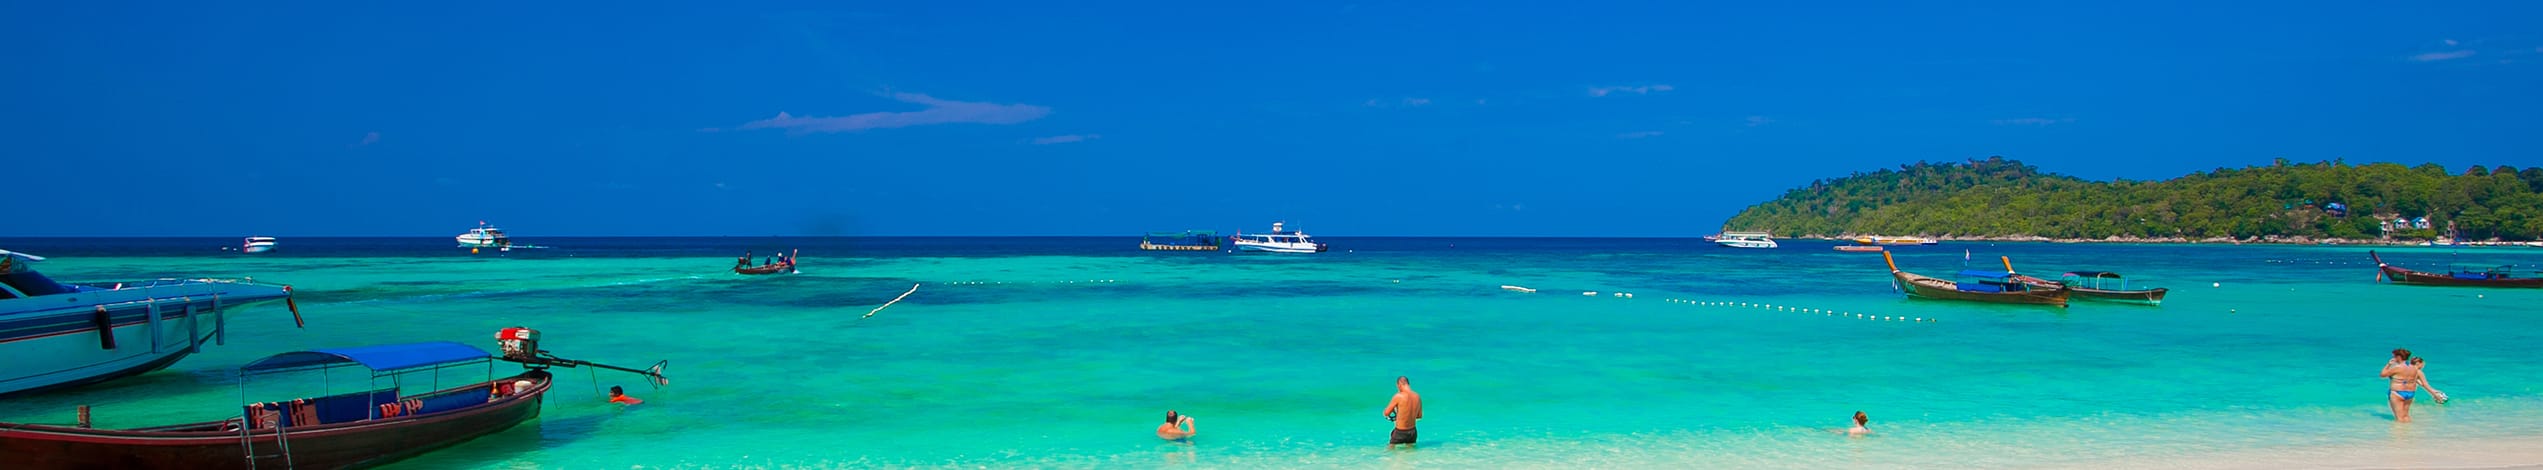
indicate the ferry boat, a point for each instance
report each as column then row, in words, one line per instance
column 484, row 236
column 1278, row 241
column 1746, row 240
column 1894, row 241
column 57, row 335
column 257, row 245
column 1188, row 240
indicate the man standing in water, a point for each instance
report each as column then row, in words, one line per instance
column 1177, row 428
column 2405, row 384
column 1403, row 410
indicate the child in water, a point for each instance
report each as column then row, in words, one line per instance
column 619, row 396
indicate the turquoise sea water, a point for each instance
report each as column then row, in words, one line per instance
column 1066, row 352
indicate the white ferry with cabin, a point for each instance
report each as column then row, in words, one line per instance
column 257, row 245
column 484, row 236
column 1746, row 240
column 1278, row 241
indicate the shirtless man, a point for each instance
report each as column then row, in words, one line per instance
column 1177, row 428
column 2405, row 384
column 1403, row 410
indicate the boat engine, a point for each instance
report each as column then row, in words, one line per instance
column 519, row 344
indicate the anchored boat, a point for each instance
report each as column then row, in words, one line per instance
column 257, row 245
column 372, row 426
column 1894, row 241
column 56, row 335
column 1278, row 241
column 2099, row 285
column 484, row 236
column 1983, row 286
column 2492, row 277
column 1745, row 240
column 1189, row 240
column 783, row 263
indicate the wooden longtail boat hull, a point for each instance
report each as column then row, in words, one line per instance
column 2405, row 276
column 220, row 444
column 766, row 269
column 1931, row 288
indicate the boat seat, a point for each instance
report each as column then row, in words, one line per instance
column 336, row 408
column 1977, row 287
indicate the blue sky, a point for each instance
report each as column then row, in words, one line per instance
column 1394, row 118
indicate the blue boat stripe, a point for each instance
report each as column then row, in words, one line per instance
column 57, row 324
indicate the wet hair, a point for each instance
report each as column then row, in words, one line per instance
column 615, row 390
column 2401, row 353
column 2419, row 360
column 1861, row 419
column 1170, row 417
column 1402, row 380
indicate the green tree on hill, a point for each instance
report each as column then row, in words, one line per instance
column 2002, row 197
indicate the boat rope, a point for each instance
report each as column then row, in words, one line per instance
column 1756, row 305
column 913, row 289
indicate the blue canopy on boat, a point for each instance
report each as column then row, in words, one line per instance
column 381, row 358
column 1986, row 274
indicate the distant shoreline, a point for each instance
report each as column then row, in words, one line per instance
column 2269, row 240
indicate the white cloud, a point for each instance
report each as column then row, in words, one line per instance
column 938, row 112
column 2439, row 56
column 1062, row 139
column 1639, row 90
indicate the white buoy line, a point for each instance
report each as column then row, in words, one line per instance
column 1755, row 305
column 994, row 283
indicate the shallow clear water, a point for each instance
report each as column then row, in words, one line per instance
column 1067, row 351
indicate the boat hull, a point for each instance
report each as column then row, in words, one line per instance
column 1280, row 247
column 766, row 269
column 1750, row 244
column 256, row 248
column 1922, row 287
column 221, row 445
column 54, row 341
column 2406, row 276
column 2148, row 296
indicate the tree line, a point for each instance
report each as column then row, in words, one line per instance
column 2002, row 197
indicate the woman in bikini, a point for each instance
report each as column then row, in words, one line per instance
column 2421, row 363
column 2406, row 380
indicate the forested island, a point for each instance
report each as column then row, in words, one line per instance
column 2001, row 198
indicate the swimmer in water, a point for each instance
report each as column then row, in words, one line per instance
column 619, row 396
column 1178, row 427
column 1860, row 419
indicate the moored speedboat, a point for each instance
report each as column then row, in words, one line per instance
column 1278, row 241
column 56, row 335
column 373, row 426
column 1746, row 240
column 1894, row 241
column 484, row 236
column 257, row 245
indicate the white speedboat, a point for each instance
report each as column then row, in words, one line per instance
column 56, row 335
column 1894, row 241
column 257, row 245
column 1746, row 240
column 1278, row 241
column 484, row 236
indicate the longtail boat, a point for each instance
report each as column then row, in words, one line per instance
column 2099, row 285
column 1988, row 286
column 1860, row 248
column 781, row 265
column 2493, row 277
column 371, row 427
